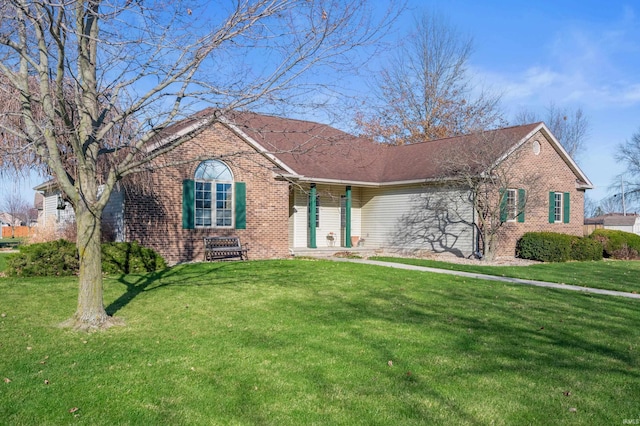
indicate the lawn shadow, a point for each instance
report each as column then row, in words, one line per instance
column 137, row 284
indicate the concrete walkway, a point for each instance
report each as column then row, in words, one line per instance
column 490, row 277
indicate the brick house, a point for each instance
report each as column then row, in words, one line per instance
column 289, row 186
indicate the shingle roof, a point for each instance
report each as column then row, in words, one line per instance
column 620, row 220
column 312, row 150
column 320, row 151
column 613, row 219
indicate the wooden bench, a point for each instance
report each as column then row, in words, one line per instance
column 220, row 248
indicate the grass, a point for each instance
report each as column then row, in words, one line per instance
column 616, row 275
column 3, row 261
column 317, row 342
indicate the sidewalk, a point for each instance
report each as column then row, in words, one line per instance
column 491, row 277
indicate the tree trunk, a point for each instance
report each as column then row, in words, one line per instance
column 90, row 313
column 489, row 254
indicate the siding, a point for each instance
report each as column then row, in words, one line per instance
column 329, row 216
column 113, row 214
column 113, row 217
column 418, row 218
column 51, row 214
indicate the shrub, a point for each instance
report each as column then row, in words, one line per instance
column 60, row 258
column 617, row 244
column 584, row 249
column 554, row 247
column 125, row 258
column 55, row 258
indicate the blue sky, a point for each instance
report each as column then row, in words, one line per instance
column 574, row 53
column 577, row 54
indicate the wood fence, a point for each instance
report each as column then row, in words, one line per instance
column 15, row 231
column 588, row 229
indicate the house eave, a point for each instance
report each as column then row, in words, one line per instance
column 46, row 186
column 585, row 183
column 582, row 185
column 174, row 136
column 364, row 184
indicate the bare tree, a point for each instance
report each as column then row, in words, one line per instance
column 18, row 209
column 570, row 127
column 629, row 154
column 97, row 82
column 426, row 92
column 591, row 207
column 610, row 204
column 487, row 172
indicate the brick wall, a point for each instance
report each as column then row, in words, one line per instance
column 153, row 208
column 539, row 175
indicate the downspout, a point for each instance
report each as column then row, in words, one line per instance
column 347, row 218
column 475, row 230
column 474, row 237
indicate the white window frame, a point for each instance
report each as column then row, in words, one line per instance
column 558, row 207
column 216, row 214
column 512, row 205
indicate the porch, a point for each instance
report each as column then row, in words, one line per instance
column 331, row 251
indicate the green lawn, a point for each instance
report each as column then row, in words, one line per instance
column 3, row 261
column 607, row 274
column 296, row 342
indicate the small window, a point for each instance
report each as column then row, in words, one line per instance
column 536, row 147
column 557, row 207
column 512, row 205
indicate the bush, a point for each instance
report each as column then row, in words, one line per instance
column 584, row 249
column 126, row 258
column 60, row 258
column 554, row 247
column 544, row 246
column 55, row 258
column 617, row 244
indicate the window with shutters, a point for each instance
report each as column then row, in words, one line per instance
column 213, row 195
column 559, row 207
column 512, row 205
column 212, row 199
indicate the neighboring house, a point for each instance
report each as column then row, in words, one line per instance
column 5, row 219
column 288, row 186
column 615, row 221
column 54, row 210
column 9, row 220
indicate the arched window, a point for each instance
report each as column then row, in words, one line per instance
column 212, row 199
column 214, row 195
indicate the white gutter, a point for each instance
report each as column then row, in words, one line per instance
column 195, row 126
column 363, row 183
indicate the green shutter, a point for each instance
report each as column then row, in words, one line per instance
column 567, row 208
column 241, row 205
column 188, row 204
column 552, row 207
column 503, row 205
column 521, row 204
